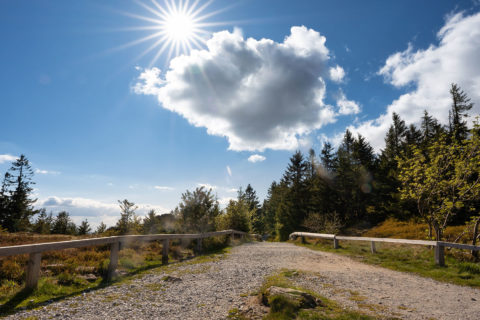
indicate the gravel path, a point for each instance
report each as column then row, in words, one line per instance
column 209, row 290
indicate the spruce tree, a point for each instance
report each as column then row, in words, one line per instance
column 16, row 204
column 84, row 228
column 461, row 104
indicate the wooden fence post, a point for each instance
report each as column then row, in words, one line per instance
column 199, row 245
column 372, row 247
column 232, row 237
column 33, row 270
column 165, row 244
column 303, row 240
column 335, row 242
column 439, row 254
column 114, row 248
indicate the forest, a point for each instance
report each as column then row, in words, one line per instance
column 427, row 174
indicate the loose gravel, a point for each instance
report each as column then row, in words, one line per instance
column 209, row 290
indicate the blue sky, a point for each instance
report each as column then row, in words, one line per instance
column 100, row 124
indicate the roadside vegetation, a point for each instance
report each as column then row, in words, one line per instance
column 460, row 268
column 72, row 272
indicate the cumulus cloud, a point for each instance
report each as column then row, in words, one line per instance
column 7, row 158
column 256, row 158
column 337, row 74
column 258, row 94
column 93, row 210
column 346, row 106
column 430, row 72
column 163, row 188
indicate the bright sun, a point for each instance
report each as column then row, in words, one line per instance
column 177, row 26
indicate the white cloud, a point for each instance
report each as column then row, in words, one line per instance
column 258, row 94
column 430, row 72
column 163, row 188
column 93, row 210
column 7, row 158
column 229, row 171
column 225, row 200
column 337, row 74
column 256, row 158
column 346, row 106
column 207, row 186
column 39, row 171
column 231, row 190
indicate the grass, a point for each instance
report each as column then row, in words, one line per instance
column 414, row 259
column 282, row 308
column 63, row 272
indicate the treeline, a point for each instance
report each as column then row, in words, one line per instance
column 430, row 173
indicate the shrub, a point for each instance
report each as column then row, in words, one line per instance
column 11, row 270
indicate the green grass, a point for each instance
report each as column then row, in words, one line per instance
column 281, row 308
column 13, row 297
column 414, row 259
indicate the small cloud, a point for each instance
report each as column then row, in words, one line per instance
column 337, row 74
column 225, row 200
column 232, row 190
column 256, row 158
column 207, row 186
column 40, row 171
column 229, row 171
column 163, row 188
column 110, row 184
column 7, row 158
column 346, row 106
column 347, row 49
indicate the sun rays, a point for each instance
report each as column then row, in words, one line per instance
column 176, row 27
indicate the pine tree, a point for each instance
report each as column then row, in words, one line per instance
column 102, row 227
column 84, row 228
column 63, row 224
column 461, row 104
column 16, row 204
column 198, row 211
column 328, row 156
column 43, row 224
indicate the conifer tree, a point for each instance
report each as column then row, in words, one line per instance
column 84, row 228
column 16, row 204
column 461, row 104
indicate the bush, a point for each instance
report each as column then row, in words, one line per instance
column 11, row 270
column 102, row 268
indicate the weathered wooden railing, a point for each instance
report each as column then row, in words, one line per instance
column 439, row 245
column 116, row 243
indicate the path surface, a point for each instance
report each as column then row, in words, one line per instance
column 209, row 290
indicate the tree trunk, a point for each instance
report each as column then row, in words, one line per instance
column 474, row 240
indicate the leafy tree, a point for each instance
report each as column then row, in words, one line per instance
column 16, row 204
column 63, row 224
column 236, row 216
column 129, row 221
column 84, row 228
column 197, row 211
column 442, row 181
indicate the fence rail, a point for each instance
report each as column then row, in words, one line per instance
column 439, row 245
column 116, row 243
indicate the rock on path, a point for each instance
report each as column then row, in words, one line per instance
column 209, row 290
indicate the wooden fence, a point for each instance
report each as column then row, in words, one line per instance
column 439, row 245
column 116, row 243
